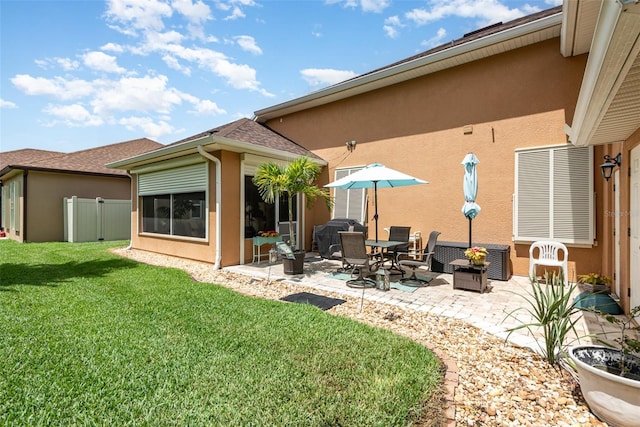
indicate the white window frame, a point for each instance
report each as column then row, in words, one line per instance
column 355, row 200
column 250, row 167
column 554, row 196
column 179, row 176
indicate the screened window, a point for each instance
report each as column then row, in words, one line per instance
column 174, row 214
column 554, row 195
column 261, row 216
column 349, row 203
column 174, row 201
column 258, row 215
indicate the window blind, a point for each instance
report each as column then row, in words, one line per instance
column 554, row 195
column 184, row 179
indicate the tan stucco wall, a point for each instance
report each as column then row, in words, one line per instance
column 514, row 100
column 42, row 204
column 203, row 249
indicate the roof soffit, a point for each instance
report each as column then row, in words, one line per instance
column 609, row 101
column 579, row 18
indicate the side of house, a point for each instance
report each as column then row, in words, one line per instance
column 508, row 108
column 33, row 187
column 540, row 100
column 195, row 198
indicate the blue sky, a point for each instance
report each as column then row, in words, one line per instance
column 84, row 73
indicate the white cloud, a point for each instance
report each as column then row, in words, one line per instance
column 100, row 61
column 157, row 41
column 326, row 76
column 173, row 63
column 149, row 93
column 7, row 104
column 73, row 115
column 248, row 44
column 195, row 12
column 375, row 6
column 488, row 11
column 151, row 129
column 238, row 76
column 236, row 13
column 112, row 47
column 42, row 63
column 391, row 25
column 435, row 40
column 130, row 15
column 66, row 64
column 58, row 87
column 206, row 108
column 137, row 15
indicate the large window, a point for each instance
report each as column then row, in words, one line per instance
column 261, row 216
column 174, row 214
column 258, row 215
column 174, row 199
column 349, row 203
column 554, row 195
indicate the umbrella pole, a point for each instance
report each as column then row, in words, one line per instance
column 375, row 203
column 470, row 232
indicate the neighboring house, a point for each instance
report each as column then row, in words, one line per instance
column 540, row 100
column 35, row 182
column 19, row 157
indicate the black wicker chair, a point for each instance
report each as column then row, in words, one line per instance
column 354, row 255
column 409, row 263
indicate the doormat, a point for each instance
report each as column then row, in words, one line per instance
column 324, row 303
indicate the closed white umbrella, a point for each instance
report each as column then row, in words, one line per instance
column 470, row 209
column 375, row 176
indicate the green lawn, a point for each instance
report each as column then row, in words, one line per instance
column 89, row 338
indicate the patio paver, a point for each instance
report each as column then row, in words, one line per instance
column 487, row 311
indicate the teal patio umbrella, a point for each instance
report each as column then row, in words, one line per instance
column 375, row 176
column 470, row 209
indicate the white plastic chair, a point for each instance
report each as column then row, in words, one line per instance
column 549, row 255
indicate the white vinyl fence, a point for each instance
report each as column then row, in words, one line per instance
column 90, row 220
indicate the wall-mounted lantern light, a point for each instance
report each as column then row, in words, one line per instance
column 609, row 164
column 351, row 145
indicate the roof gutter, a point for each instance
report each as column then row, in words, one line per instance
column 191, row 146
column 344, row 89
column 614, row 47
column 218, row 164
column 569, row 23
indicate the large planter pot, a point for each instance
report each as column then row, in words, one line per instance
column 614, row 399
column 294, row 266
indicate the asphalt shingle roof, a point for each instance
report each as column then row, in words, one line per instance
column 92, row 160
column 249, row 131
column 18, row 157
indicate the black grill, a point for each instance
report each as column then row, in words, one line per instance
column 326, row 235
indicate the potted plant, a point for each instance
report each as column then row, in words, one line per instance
column 297, row 177
column 476, row 255
column 609, row 376
column 595, row 283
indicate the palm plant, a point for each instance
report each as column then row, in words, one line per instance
column 297, row 177
column 552, row 309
